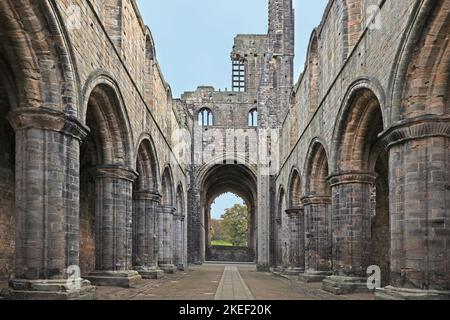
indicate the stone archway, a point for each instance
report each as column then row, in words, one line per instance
column 146, row 200
column 296, row 223
column 317, row 206
column 219, row 179
column 359, row 211
column 106, row 186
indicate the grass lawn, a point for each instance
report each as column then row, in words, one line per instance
column 221, row 243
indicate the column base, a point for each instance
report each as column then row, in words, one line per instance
column 123, row 279
column 392, row 293
column 314, row 276
column 263, row 268
column 181, row 267
column 168, row 268
column 49, row 290
column 150, row 273
column 293, row 271
column 339, row 285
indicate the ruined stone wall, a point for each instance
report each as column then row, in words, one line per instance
column 376, row 50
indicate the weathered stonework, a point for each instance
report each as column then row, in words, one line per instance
column 105, row 176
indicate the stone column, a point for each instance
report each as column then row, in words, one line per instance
column 419, row 183
column 145, row 234
column 47, row 207
column 113, row 227
column 196, row 233
column 317, row 238
column 351, row 227
column 297, row 240
column 165, row 227
column 179, row 241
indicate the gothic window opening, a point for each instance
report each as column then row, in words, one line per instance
column 238, row 76
column 205, row 118
column 253, row 118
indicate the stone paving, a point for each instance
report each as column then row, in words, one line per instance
column 223, row 282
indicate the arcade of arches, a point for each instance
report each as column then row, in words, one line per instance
column 347, row 169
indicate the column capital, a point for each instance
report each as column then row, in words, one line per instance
column 416, row 128
column 295, row 212
column 316, row 199
column 154, row 196
column 47, row 119
column 168, row 210
column 117, row 172
column 352, row 177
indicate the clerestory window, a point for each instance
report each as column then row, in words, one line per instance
column 205, row 118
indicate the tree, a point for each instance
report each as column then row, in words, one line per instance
column 235, row 225
column 217, row 230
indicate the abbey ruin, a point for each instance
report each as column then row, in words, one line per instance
column 107, row 179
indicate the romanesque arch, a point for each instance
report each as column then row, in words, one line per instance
column 317, row 203
column 107, row 178
column 146, row 199
column 357, row 184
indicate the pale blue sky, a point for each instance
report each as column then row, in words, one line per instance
column 224, row 202
column 194, row 38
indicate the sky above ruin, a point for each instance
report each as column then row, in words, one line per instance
column 194, row 38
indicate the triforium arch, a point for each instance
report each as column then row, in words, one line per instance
column 359, row 212
column 167, row 214
column 215, row 179
column 317, row 206
column 107, row 178
column 146, row 199
column 296, row 223
column 418, row 145
column 39, row 97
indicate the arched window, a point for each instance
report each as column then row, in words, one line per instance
column 205, row 118
column 253, row 118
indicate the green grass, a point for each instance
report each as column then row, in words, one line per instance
column 221, row 243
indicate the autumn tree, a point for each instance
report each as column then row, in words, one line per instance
column 235, row 225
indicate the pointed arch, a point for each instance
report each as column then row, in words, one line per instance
column 34, row 45
column 167, row 187
column 422, row 83
column 317, row 170
column 295, row 189
column 147, row 165
column 105, row 114
column 358, row 125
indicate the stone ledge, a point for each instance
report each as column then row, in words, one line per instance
column 392, row 293
column 314, row 276
column 168, row 268
column 48, row 290
column 151, row 273
column 124, row 279
column 340, row 285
